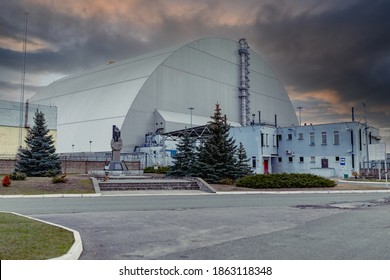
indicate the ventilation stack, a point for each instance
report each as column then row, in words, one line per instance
column 244, row 82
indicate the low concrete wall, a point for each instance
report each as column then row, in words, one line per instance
column 324, row 172
column 7, row 166
column 148, row 185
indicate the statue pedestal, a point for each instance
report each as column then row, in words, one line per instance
column 116, row 166
column 116, row 145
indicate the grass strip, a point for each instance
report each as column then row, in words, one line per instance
column 26, row 239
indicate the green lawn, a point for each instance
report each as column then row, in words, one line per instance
column 25, row 239
column 43, row 185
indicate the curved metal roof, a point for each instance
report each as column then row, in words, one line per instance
column 97, row 98
column 127, row 94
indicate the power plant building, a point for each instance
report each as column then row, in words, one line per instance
column 166, row 91
column 151, row 96
column 15, row 119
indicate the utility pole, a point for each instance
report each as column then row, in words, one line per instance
column 366, row 133
column 23, row 79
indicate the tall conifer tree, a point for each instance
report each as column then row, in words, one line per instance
column 39, row 158
column 184, row 158
column 216, row 159
column 242, row 162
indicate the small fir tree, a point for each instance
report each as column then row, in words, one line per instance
column 216, row 158
column 39, row 158
column 242, row 162
column 184, row 158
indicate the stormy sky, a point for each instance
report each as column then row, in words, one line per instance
column 331, row 55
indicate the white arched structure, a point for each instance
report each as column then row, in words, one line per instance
column 155, row 91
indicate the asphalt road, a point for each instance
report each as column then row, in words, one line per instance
column 228, row 226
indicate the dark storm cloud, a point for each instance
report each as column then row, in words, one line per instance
column 331, row 55
column 346, row 50
column 71, row 43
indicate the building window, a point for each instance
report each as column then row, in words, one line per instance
column 279, row 159
column 262, row 139
column 289, row 136
column 323, row 137
column 290, row 159
column 254, row 162
column 266, row 140
column 279, row 137
column 336, row 137
column 337, row 159
column 301, row 159
column 312, row 159
column 274, row 140
column 300, row 136
column 312, row 139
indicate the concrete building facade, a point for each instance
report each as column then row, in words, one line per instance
column 330, row 150
column 13, row 130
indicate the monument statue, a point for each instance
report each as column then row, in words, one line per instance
column 116, row 143
column 116, row 147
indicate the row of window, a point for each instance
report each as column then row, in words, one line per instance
column 302, row 159
column 324, row 138
column 265, row 140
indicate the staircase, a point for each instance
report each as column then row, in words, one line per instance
column 139, row 183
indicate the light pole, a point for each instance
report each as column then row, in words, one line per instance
column 366, row 130
column 90, row 146
column 300, row 114
column 191, row 108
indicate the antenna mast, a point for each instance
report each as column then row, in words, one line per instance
column 23, row 78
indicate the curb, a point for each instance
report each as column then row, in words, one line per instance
column 149, row 193
column 51, row 195
column 375, row 183
column 306, row 192
column 74, row 252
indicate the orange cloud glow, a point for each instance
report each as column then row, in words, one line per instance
column 136, row 13
column 327, row 99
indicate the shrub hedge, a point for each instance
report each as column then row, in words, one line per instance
column 59, row 179
column 17, row 176
column 159, row 170
column 284, row 180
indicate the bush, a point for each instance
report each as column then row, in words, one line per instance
column 265, row 181
column 59, row 179
column 6, row 182
column 18, row 176
column 52, row 173
column 226, row 181
column 159, row 170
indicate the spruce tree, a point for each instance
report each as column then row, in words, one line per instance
column 39, row 158
column 242, row 162
column 184, row 158
column 216, row 158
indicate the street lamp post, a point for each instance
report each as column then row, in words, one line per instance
column 366, row 133
column 90, row 146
